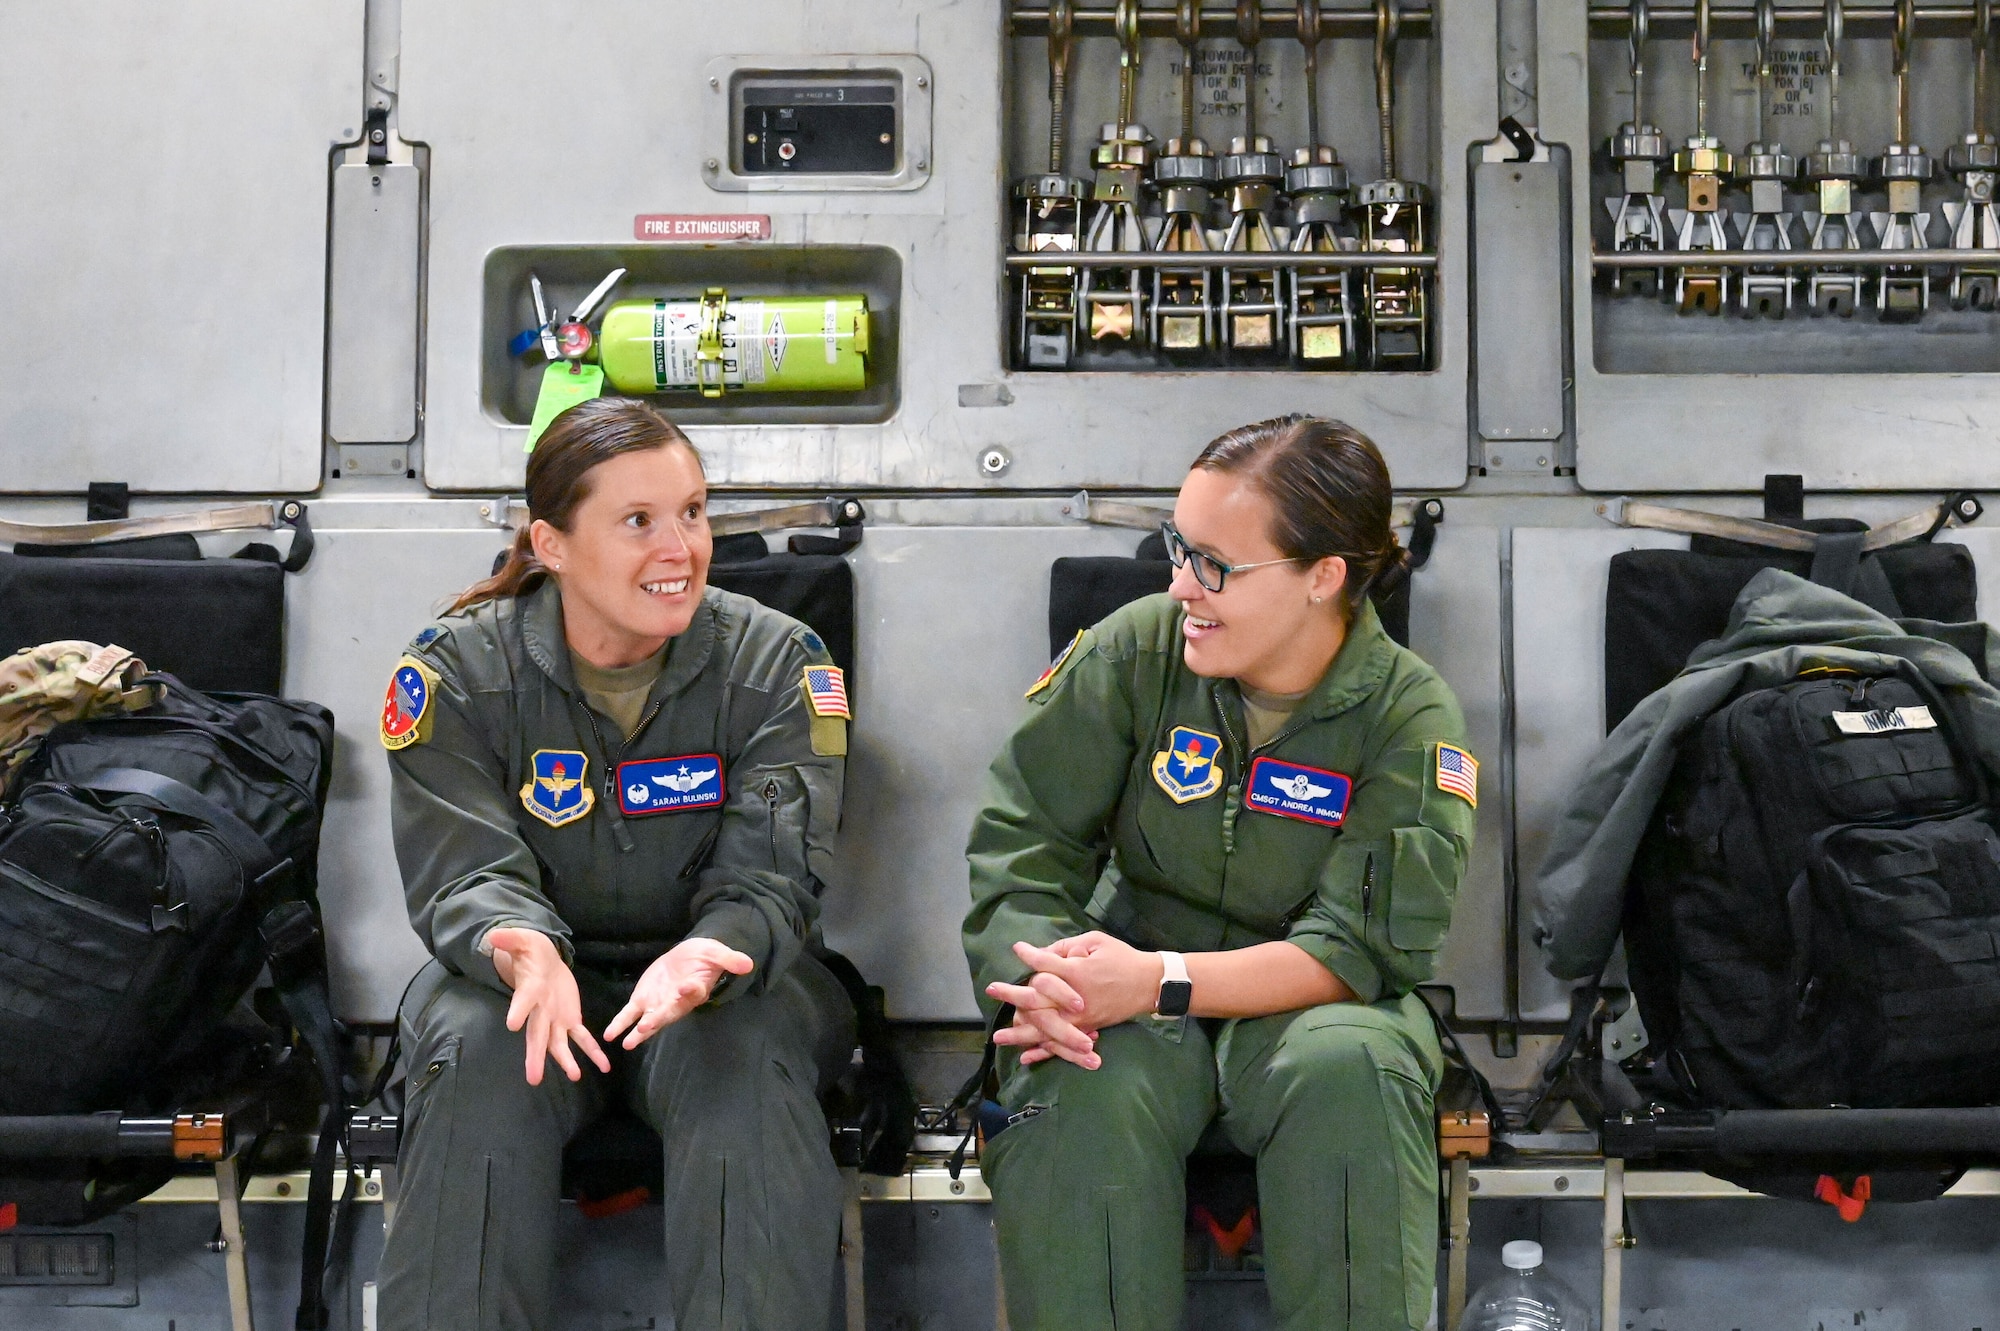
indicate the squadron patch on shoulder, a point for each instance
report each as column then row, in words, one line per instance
column 406, row 711
column 670, row 785
column 1187, row 768
column 1458, row 773
column 1292, row 790
column 557, row 791
column 1048, row 676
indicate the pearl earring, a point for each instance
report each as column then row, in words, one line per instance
column 1318, row 599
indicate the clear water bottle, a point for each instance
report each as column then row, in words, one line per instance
column 1527, row 1298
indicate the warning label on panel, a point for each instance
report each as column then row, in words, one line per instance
column 1221, row 74
column 701, row 226
column 1796, row 91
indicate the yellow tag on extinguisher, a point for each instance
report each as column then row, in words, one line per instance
column 564, row 384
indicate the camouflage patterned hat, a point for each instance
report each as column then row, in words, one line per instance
column 41, row 687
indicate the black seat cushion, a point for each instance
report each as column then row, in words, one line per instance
column 1083, row 589
column 1660, row 605
column 218, row 624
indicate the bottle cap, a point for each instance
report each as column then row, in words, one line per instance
column 1521, row 1255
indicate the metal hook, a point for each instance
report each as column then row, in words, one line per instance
column 1906, row 23
column 1062, row 28
column 1309, row 36
column 1982, row 37
column 1250, row 31
column 1187, row 31
column 1701, row 25
column 1767, row 35
column 1125, row 21
column 1388, row 21
column 1636, row 59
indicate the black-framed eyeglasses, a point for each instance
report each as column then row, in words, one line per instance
column 1209, row 571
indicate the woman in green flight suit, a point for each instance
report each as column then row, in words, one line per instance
column 1287, row 804
column 615, row 790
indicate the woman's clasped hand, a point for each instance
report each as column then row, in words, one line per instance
column 1080, row 986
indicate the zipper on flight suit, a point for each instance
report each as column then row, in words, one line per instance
column 771, row 819
column 619, row 832
column 1367, row 884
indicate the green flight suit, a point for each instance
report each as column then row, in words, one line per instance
column 511, row 807
column 1098, row 817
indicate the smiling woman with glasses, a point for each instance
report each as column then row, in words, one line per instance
column 1215, row 859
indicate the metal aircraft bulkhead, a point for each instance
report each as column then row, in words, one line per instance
column 513, row 168
column 1861, row 372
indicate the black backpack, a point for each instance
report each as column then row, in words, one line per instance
column 140, row 855
column 1813, row 913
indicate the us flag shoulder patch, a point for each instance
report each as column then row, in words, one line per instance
column 1458, row 773
column 826, row 691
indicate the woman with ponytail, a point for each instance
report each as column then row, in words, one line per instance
column 614, row 788
column 1217, row 856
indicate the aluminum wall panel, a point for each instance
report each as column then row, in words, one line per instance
column 1560, row 577
column 1845, row 429
column 163, row 239
column 1455, row 625
column 509, row 169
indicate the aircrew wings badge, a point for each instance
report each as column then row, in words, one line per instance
column 406, row 712
column 1458, row 773
column 1187, row 769
column 1047, row 677
column 557, row 791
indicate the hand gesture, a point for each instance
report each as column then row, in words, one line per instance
column 545, row 1001
column 675, row 985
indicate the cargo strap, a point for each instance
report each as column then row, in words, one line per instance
column 265, row 515
column 1962, row 508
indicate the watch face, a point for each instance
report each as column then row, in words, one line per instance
column 1175, row 995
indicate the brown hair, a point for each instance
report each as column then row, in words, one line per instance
column 576, row 442
column 1331, row 490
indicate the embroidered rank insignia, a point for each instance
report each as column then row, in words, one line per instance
column 426, row 637
column 557, row 791
column 1044, row 679
column 1291, row 790
column 406, row 712
column 1458, row 773
column 826, row 691
column 1187, row 770
column 670, row 785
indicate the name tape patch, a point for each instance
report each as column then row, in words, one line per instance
column 670, row 785
column 1884, row 720
column 1458, row 773
column 1293, row 790
column 1187, row 768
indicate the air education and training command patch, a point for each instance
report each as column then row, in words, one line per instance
column 670, row 785
column 406, row 712
column 557, row 792
column 1187, row 770
column 1458, row 773
column 1309, row 794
